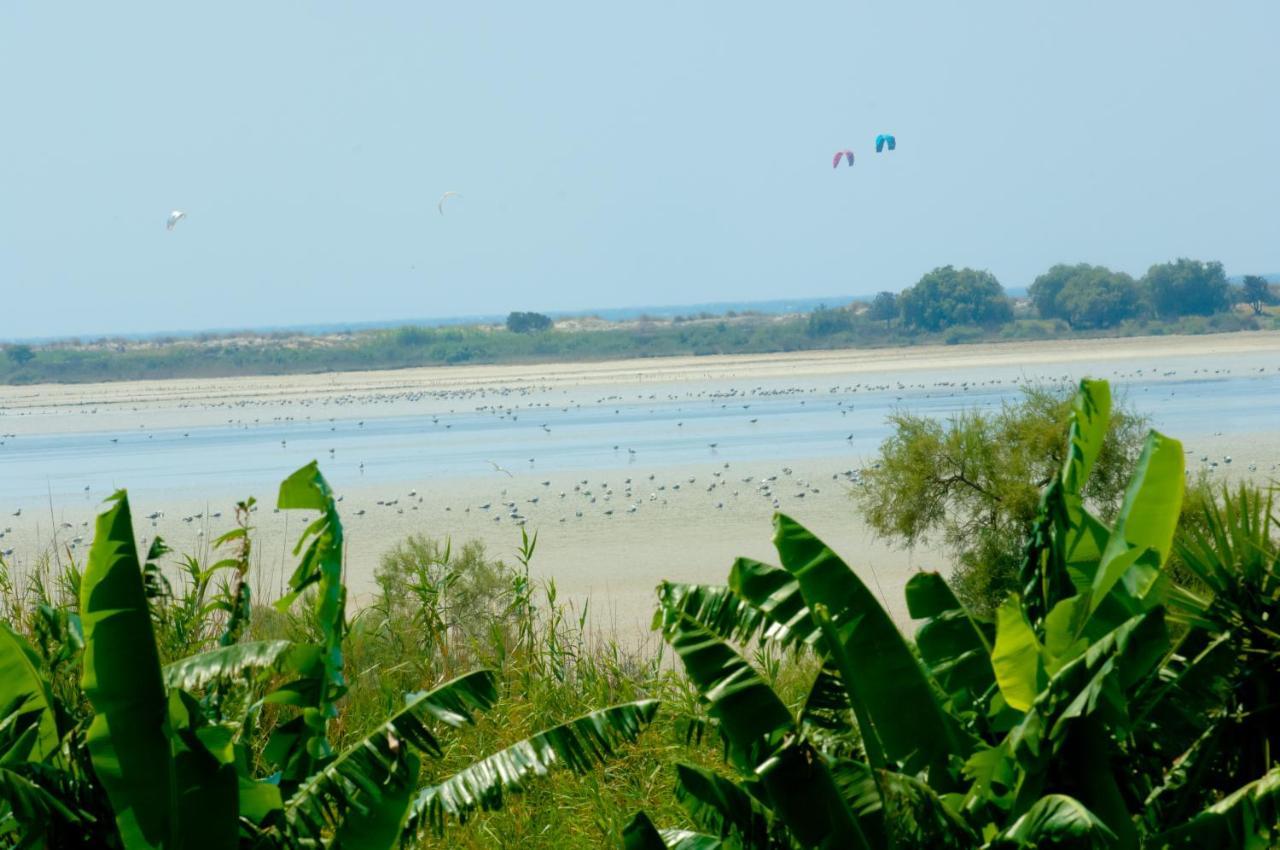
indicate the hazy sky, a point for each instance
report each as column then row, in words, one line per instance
column 610, row 154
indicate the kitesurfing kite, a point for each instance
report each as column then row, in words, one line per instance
column 835, row 160
column 446, row 196
column 885, row 140
column 174, row 217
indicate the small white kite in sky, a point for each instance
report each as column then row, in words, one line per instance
column 174, row 217
column 446, row 196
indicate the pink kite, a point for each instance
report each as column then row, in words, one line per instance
column 835, row 161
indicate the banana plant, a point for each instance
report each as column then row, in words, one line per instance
column 1044, row 727
column 164, row 760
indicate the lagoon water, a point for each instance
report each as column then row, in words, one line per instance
column 397, row 437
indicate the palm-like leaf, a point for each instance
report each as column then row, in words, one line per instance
column 954, row 644
column 1247, row 818
column 22, row 683
column 128, row 738
column 884, row 676
column 380, row 764
column 238, row 660
column 720, row 807
column 641, row 834
column 1057, row 821
column 578, row 744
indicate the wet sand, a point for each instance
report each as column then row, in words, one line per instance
column 611, row 551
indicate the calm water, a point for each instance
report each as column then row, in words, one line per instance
column 653, row 426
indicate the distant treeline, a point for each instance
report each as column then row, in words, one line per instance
column 947, row 305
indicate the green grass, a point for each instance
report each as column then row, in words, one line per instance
column 442, row 611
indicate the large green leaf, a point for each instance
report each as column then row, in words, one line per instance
column 205, row 773
column 320, row 566
column 1248, row 819
column 372, row 772
column 1016, row 656
column 238, row 660
column 888, row 679
column 379, row 826
column 22, row 683
column 1090, row 416
column 641, row 834
column 955, row 645
column 716, row 607
column 579, row 744
column 1057, row 821
column 1143, row 531
column 128, row 739
column 718, row 806
column 752, row 717
column 31, row 808
column 777, row 594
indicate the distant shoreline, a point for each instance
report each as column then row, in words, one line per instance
column 675, row 369
column 571, row 341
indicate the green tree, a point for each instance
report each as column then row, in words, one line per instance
column 972, row 483
column 1086, row 296
column 523, row 323
column 20, row 354
column 884, row 308
column 1099, row 298
column 1187, row 288
column 826, row 321
column 1256, row 292
column 948, row 296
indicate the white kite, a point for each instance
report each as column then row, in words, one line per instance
column 446, row 196
column 174, row 217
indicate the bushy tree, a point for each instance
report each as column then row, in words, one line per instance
column 826, row 321
column 1187, row 288
column 20, row 354
column 948, row 296
column 884, row 308
column 1086, row 296
column 973, row 483
column 1256, row 292
column 523, row 323
column 1099, row 299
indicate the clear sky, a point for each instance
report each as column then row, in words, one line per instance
column 610, row 154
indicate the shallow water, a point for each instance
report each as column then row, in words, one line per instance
column 399, row 438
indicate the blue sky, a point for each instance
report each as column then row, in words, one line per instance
column 610, row 154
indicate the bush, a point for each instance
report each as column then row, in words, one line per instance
column 947, row 296
column 825, row 321
column 523, row 323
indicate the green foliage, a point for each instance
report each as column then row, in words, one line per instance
column 245, row 743
column 825, row 321
column 1256, row 292
column 884, row 308
column 1082, row 722
column 21, row 355
column 973, row 483
column 1086, row 296
column 1187, row 288
column 524, row 323
column 948, row 296
column 954, row 322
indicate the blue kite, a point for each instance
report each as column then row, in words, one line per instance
column 885, row 140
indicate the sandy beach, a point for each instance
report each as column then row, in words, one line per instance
column 612, row 520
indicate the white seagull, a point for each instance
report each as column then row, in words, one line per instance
column 446, row 196
column 174, row 217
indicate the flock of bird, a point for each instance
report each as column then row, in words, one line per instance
column 726, row 435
